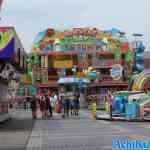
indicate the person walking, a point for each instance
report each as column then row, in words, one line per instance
column 62, row 102
column 76, row 104
column 72, row 105
column 55, row 99
column 42, row 103
column 25, row 105
column 27, row 102
column 46, row 106
column 67, row 106
column 49, row 106
column 34, row 107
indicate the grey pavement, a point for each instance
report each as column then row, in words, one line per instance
column 68, row 134
column 73, row 133
column 14, row 134
column 81, row 133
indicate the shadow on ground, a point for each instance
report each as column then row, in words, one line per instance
column 17, row 124
column 15, row 133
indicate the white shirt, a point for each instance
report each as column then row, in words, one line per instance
column 55, row 98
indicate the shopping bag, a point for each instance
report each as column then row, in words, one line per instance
column 58, row 107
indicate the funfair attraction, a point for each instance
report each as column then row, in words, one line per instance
column 12, row 65
column 94, row 61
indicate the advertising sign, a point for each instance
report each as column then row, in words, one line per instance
column 116, row 72
column 63, row 64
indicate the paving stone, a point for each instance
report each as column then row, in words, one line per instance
column 83, row 133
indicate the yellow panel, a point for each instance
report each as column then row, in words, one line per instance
column 80, row 74
column 61, row 57
column 63, row 64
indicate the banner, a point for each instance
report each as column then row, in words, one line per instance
column 116, row 71
column 63, row 64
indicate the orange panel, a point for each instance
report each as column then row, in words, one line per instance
column 63, row 64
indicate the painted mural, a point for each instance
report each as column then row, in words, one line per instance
column 83, row 40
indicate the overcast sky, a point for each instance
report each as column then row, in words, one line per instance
column 31, row 16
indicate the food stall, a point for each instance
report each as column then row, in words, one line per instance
column 12, row 63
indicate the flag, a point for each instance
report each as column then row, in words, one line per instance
column 1, row 1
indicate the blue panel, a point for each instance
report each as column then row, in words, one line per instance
column 9, row 50
column 40, row 36
column 132, row 110
column 139, row 58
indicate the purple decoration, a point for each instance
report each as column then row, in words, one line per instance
column 9, row 50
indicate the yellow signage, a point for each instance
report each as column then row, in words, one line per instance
column 80, row 74
column 63, row 64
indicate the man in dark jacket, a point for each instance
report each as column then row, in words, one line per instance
column 49, row 106
column 34, row 107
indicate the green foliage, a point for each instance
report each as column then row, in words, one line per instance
column 5, row 38
column 129, row 56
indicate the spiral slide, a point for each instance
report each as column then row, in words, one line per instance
column 138, row 85
column 146, row 104
column 140, row 80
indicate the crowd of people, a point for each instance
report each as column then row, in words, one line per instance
column 48, row 103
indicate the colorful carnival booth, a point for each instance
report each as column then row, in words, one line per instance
column 70, row 53
column 11, row 64
column 132, row 105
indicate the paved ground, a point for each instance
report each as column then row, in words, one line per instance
column 81, row 133
column 15, row 133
